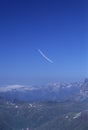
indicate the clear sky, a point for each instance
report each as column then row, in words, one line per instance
column 57, row 27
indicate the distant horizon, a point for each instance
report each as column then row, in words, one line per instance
column 40, row 84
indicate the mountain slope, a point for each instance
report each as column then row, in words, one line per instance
column 69, row 122
column 38, row 115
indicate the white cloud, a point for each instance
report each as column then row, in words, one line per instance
column 17, row 88
column 10, row 87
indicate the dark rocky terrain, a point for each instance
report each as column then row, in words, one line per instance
column 43, row 115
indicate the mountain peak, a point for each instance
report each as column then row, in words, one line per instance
column 86, row 80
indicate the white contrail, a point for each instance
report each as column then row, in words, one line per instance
column 42, row 54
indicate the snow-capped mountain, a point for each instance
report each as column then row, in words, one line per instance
column 49, row 92
column 84, row 90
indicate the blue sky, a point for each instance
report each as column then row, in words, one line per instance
column 58, row 28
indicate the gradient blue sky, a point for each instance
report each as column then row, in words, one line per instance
column 57, row 27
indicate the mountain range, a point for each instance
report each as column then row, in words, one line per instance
column 49, row 92
column 51, row 107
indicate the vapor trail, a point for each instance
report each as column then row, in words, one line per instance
column 44, row 56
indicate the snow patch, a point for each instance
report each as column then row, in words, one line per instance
column 77, row 115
